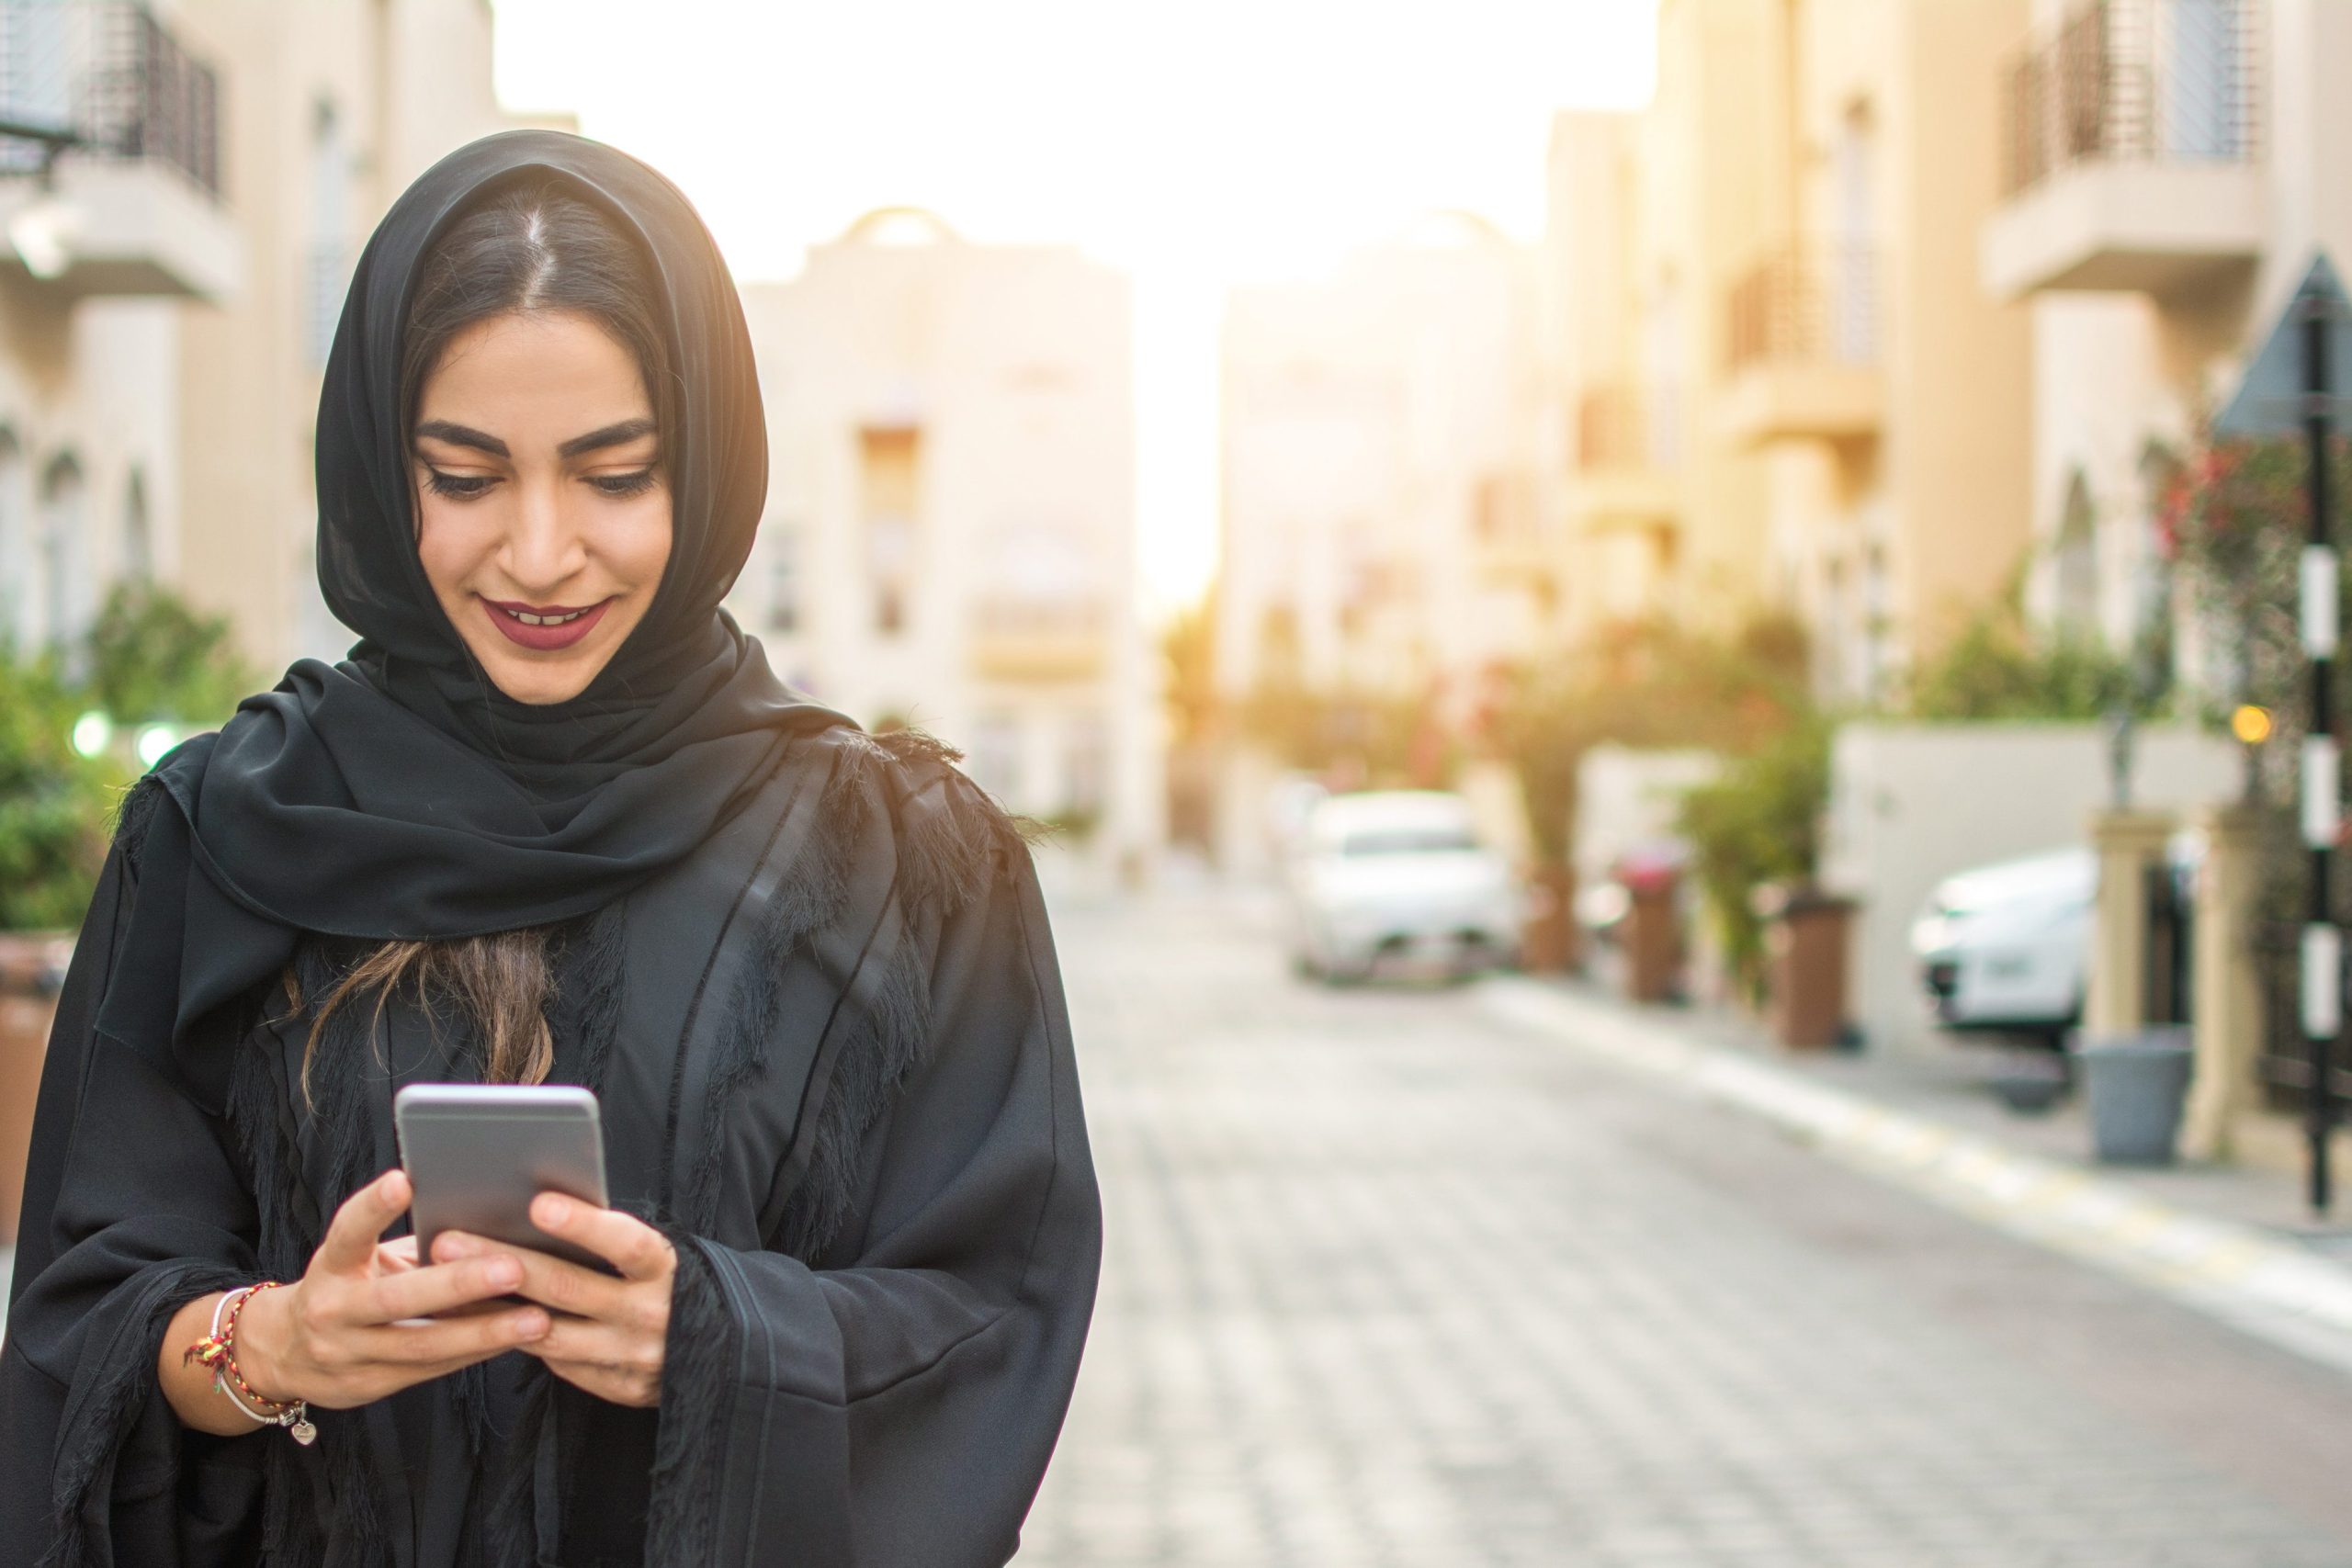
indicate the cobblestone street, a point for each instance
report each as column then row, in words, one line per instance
column 1388, row 1282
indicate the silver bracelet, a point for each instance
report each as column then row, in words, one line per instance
column 295, row 1417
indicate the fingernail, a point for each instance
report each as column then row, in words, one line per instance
column 450, row 1245
column 531, row 1325
column 505, row 1271
column 555, row 1211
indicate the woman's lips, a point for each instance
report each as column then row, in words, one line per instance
column 553, row 634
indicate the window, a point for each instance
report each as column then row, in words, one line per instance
column 68, row 592
column 15, row 546
column 889, row 476
column 2076, row 558
column 1086, row 764
column 994, row 760
column 783, row 582
column 138, row 540
column 330, row 225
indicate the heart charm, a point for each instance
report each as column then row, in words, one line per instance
column 304, row 1433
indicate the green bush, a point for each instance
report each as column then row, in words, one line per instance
column 1996, row 669
column 1758, row 822
column 54, row 805
column 147, row 658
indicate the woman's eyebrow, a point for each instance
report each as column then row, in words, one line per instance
column 463, row 436
column 611, row 436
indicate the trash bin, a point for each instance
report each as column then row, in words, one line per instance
column 2136, row 1083
column 32, row 971
column 1804, row 948
column 1653, row 933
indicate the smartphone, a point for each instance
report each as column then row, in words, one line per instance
column 477, row 1154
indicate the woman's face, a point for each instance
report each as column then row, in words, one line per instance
column 543, row 511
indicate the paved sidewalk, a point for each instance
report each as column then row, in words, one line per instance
column 2235, row 1244
column 1393, row 1282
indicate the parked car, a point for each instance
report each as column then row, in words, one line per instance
column 2005, row 949
column 1384, row 875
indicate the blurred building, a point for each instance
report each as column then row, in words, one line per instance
column 328, row 109
column 2168, row 169
column 950, row 533
column 1783, row 385
column 116, row 225
column 1380, row 523
column 183, row 189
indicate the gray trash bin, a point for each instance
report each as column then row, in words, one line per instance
column 2136, row 1085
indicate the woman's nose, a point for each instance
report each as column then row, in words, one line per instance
column 542, row 548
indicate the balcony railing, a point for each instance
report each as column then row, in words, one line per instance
column 109, row 75
column 1806, row 305
column 2135, row 81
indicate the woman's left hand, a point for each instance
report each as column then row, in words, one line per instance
column 606, row 1335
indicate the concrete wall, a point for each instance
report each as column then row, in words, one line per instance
column 1626, row 798
column 1911, row 804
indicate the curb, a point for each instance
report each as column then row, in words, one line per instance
column 2272, row 1290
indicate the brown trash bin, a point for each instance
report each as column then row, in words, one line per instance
column 32, row 968
column 1805, row 965
column 1654, row 934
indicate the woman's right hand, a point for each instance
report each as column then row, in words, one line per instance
column 336, row 1337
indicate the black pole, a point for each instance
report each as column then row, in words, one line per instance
column 2318, row 419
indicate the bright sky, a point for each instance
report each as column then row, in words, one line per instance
column 1194, row 145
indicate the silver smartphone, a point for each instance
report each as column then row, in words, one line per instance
column 477, row 1154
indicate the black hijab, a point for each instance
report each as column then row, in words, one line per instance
column 399, row 794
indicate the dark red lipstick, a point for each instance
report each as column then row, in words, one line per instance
column 552, row 632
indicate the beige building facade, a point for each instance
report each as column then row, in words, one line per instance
column 950, row 537
column 331, row 108
column 1382, row 531
column 2169, row 168
column 172, row 278
column 115, row 225
column 1784, row 386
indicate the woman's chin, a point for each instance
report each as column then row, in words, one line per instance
column 541, row 681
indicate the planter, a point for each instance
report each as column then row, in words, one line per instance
column 32, row 969
column 1805, row 940
column 2135, row 1084
column 1654, row 936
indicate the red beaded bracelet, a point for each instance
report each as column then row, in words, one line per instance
column 217, row 1350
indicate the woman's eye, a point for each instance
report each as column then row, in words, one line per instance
column 637, row 483
column 460, row 485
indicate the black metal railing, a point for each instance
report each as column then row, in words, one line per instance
column 109, row 80
column 1806, row 304
column 2146, row 81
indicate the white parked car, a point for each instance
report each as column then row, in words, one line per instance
column 1400, row 875
column 2004, row 949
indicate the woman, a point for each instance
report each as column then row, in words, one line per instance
column 554, row 820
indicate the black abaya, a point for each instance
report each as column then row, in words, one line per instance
column 834, row 1064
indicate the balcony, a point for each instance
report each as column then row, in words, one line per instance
column 1623, row 458
column 1804, row 346
column 1033, row 640
column 109, row 154
column 2131, row 153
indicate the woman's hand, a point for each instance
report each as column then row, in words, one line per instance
column 342, row 1335
column 608, row 1335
